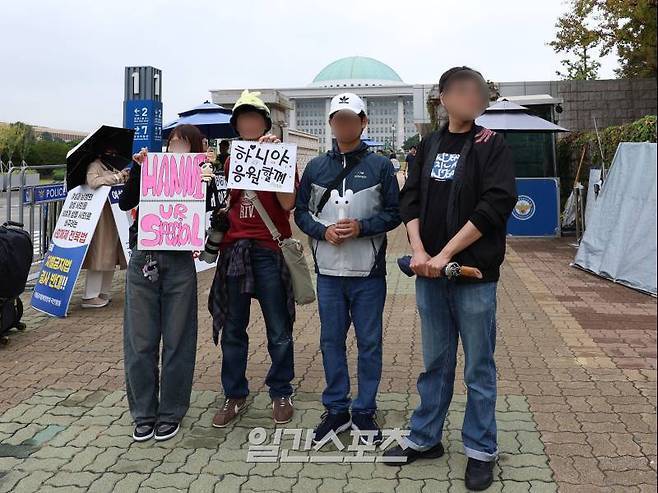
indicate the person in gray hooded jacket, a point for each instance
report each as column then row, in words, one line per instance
column 346, row 202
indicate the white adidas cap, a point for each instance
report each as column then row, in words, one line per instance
column 347, row 101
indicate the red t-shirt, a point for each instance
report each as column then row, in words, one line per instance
column 245, row 223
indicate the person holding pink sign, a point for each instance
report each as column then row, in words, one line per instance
column 251, row 265
column 161, row 306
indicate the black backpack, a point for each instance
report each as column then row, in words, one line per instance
column 16, row 254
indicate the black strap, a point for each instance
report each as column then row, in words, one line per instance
column 336, row 181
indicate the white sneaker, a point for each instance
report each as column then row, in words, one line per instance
column 94, row 303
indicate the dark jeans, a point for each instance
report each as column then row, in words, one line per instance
column 271, row 295
column 342, row 300
column 163, row 310
column 450, row 311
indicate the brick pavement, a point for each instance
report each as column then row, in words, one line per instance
column 577, row 396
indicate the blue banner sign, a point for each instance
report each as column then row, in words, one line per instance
column 67, row 250
column 40, row 194
column 145, row 116
column 537, row 211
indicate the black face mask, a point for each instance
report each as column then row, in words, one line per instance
column 114, row 161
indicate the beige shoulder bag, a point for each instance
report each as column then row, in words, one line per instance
column 293, row 254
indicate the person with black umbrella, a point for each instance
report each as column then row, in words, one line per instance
column 105, row 251
column 98, row 161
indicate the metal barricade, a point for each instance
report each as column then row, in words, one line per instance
column 46, row 200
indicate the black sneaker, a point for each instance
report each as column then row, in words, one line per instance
column 479, row 474
column 331, row 422
column 143, row 432
column 165, row 431
column 397, row 456
column 368, row 426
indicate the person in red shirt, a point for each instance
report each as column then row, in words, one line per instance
column 251, row 265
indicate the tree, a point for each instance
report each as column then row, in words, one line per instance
column 577, row 38
column 592, row 28
column 411, row 141
column 629, row 29
column 16, row 141
column 49, row 152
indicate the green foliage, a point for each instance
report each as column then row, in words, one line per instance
column 49, row 152
column 593, row 28
column 16, row 140
column 58, row 174
column 629, row 29
column 414, row 140
column 577, row 39
column 569, row 148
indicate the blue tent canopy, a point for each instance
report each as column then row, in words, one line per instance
column 372, row 143
column 213, row 121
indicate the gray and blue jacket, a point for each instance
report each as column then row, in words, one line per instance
column 369, row 193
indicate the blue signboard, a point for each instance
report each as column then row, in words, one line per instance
column 115, row 194
column 537, row 211
column 40, row 194
column 70, row 241
column 145, row 116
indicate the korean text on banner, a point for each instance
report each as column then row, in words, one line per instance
column 70, row 242
column 263, row 167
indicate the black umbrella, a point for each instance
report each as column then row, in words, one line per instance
column 78, row 158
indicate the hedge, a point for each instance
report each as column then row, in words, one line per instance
column 569, row 149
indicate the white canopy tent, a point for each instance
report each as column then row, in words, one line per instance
column 620, row 240
column 507, row 116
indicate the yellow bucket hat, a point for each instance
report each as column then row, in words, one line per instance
column 250, row 101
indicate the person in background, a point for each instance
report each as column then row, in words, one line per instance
column 410, row 158
column 160, row 308
column 460, row 192
column 105, row 251
column 394, row 160
column 251, row 265
column 347, row 202
column 224, row 147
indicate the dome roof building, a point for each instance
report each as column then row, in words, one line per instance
column 356, row 71
column 391, row 103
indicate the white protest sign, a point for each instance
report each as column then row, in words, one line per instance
column 172, row 204
column 264, row 167
column 73, row 233
column 122, row 220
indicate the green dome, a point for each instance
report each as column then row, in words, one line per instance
column 356, row 70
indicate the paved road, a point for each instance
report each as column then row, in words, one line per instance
column 576, row 410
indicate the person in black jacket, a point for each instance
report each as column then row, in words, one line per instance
column 455, row 205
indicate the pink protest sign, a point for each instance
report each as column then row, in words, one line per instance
column 172, row 204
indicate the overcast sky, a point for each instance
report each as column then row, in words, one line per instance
column 62, row 62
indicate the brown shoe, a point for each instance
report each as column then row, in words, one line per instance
column 231, row 408
column 282, row 410
column 94, row 302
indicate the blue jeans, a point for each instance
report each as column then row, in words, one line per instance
column 165, row 310
column 448, row 311
column 342, row 300
column 234, row 341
